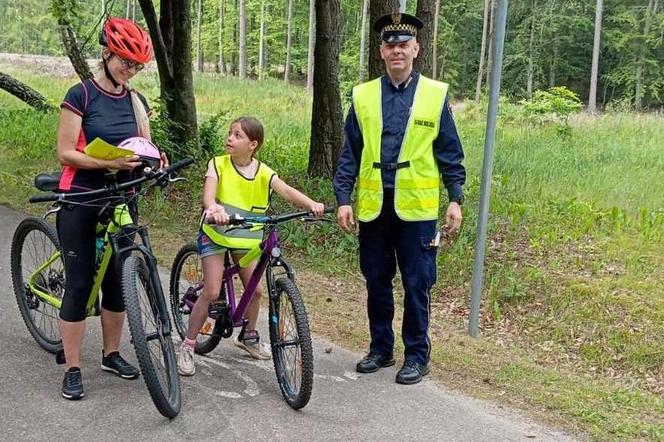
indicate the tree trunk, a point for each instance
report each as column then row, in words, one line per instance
column 133, row 10
column 426, row 13
column 68, row 38
column 310, row 49
column 24, row 93
column 243, row 39
column 638, row 82
column 222, row 10
column 61, row 11
column 362, row 70
column 531, row 55
column 175, row 73
column 199, row 32
column 480, row 71
column 402, row 5
column 289, row 41
column 492, row 31
column 553, row 67
column 378, row 8
column 261, row 44
column 165, row 26
column 234, row 54
column 128, row 4
column 326, row 118
column 594, row 71
column 436, row 17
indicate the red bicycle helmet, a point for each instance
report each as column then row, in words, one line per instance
column 126, row 39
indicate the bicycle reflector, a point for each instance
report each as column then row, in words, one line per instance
column 146, row 151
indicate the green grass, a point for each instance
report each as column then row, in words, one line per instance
column 573, row 312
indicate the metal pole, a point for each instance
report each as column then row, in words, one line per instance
column 489, row 144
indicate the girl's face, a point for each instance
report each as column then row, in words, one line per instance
column 238, row 143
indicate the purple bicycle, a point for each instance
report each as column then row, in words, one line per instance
column 290, row 340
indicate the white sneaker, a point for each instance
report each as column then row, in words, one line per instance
column 186, row 365
column 252, row 344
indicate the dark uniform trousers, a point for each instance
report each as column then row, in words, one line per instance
column 385, row 242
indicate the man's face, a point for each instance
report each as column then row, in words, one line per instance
column 399, row 56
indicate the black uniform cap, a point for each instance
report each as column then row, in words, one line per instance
column 397, row 27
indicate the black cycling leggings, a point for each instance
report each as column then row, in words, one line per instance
column 76, row 231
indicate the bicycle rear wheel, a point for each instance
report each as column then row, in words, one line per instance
column 187, row 283
column 148, row 323
column 291, row 343
column 35, row 247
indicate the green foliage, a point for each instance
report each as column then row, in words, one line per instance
column 212, row 134
column 557, row 104
column 550, row 39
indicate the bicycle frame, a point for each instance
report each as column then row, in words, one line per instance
column 269, row 256
column 120, row 220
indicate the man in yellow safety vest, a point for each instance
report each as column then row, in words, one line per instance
column 401, row 141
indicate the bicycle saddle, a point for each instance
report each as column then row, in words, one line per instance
column 47, row 182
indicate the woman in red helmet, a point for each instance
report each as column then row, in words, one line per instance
column 101, row 107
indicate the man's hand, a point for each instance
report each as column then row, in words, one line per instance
column 453, row 219
column 345, row 218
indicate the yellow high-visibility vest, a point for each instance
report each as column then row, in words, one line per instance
column 241, row 196
column 417, row 180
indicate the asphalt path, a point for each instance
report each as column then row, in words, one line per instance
column 231, row 397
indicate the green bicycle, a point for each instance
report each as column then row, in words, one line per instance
column 38, row 277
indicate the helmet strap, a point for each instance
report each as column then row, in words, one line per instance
column 108, row 72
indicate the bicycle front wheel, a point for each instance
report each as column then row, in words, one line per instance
column 148, row 324
column 186, row 287
column 291, row 343
column 37, row 270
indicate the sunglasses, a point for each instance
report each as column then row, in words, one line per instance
column 128, row 64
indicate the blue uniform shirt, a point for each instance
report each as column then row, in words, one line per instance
column 396, row 104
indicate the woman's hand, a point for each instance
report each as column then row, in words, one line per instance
column 124, row 163
column 317, row 208
column 218, row 214
column 163, row 160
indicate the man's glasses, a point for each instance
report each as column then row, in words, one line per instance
column 128, row 64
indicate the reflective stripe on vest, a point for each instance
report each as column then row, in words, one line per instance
column 417, row 186
column 241, row 196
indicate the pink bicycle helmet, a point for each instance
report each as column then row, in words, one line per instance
column 146, row 151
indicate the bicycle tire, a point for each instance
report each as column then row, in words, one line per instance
column 53, row 281
column 148, row 310
column 180, row 284
column 289, row 327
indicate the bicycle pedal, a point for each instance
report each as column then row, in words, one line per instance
column 217, row 310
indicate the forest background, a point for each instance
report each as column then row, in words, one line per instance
column 573, row 307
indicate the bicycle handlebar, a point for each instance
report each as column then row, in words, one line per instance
column 272, row 220
column 158, row 175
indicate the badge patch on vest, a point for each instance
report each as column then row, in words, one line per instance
column 421, row 122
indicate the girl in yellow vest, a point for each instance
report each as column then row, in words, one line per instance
column 236, row 183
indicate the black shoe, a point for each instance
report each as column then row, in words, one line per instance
column 72, row 384
column 411, row 373
column 374, row 362
column 116, row 364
